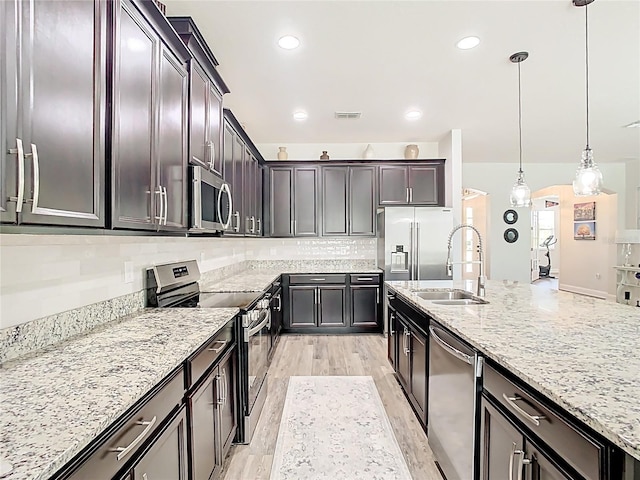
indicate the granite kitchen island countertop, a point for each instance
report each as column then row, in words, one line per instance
column 54, row 403
column 580, row 352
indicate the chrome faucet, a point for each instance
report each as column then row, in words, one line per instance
column 481, row 277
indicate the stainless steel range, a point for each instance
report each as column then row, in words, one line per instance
column 176, row 285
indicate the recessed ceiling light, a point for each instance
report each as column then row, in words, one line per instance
column 288, row 42
column 413, row 114
column 635, row 124
column 300, row 115
column 468, row 42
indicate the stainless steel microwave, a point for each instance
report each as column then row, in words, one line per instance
column 211, row 203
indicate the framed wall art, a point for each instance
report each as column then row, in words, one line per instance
column 584, row 211
column 584, row 230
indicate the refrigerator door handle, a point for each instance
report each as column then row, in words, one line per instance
column 411, row 251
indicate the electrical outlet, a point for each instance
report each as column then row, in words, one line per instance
column 598, row 276
column 128, row 272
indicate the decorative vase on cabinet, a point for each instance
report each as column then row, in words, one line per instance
column 324, row 155
column 411, row 151
column 282, row 153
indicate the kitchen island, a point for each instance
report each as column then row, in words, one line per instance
column 580, row 352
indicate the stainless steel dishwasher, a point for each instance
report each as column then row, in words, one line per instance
column 454, row 390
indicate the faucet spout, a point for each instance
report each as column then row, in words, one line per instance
column 480, row 291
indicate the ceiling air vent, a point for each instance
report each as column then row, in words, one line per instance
column 348, row 115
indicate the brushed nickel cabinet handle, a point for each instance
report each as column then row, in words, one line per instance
column 216, row 350
column 166, row 204
column 124, row 451
column 535, row 419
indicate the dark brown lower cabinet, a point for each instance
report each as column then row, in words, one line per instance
column 167, row 456
column 212, row 418
column 365, row 306
column 317, row 306
column 411, row 366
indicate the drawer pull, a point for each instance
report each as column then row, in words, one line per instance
column 365, row 279
column 216, row 350
column 124, row 451
column 535, row 419
column 318, row 279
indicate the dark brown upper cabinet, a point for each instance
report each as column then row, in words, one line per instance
column 243, row 171
column 348, row 200
column 420, row 184
column 206, row 89
column 53, row 112
column 149, row 149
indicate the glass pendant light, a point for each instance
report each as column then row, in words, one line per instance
column 520, row 193
column 588, row 179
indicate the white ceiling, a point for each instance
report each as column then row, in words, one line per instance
column 383, row 57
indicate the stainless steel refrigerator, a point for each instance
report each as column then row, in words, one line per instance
column 412, row 242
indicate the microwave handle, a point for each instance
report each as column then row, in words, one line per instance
column 225, row 188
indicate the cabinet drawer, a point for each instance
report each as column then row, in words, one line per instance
column 200, row 361
column 574, row 446
column 317, row 279
column 121, row 445
column 364, row 278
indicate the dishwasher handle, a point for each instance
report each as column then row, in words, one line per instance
column 452, row 350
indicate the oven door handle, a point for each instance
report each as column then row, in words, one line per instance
column 252, row 331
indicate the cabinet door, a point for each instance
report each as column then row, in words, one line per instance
column 227, row 371
column 362, row 201
column 238, row 184
column 334, row 201
column 305, row 202
column 303, row 306
column 259, row 202
column 403, row 369
column 365, row 300
column 167, row 456
column 249, row 191
column 198, row 116
column 394, row 185
column 280, row 193
column 214, row 129
column 57, row 109
column 204, row 455
column 172, row 147
column 133, row 138
column 499, row 441
column 541, row 468
column 423, row 185
column 331, row 308
column 419, row 372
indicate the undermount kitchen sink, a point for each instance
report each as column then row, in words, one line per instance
column 444, row 295
column 450, row 297
column 460, row 301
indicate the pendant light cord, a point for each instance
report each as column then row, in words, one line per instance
column 520, row 116
column 586, row 42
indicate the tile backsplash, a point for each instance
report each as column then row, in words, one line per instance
column 46, row 275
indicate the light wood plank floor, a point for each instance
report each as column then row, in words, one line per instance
column 330, row 355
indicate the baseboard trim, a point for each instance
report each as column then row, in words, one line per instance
column 582, row 291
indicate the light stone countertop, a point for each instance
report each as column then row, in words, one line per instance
column 258, row 279
column 581, row 352
column 55, row 403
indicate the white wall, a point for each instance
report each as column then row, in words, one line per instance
column 450, row 148
column 586, row 265
column 512, row 261
column 346, row 151
column 42, row 275
column 632, row 215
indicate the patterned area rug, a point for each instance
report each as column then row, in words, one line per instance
column 336, row 428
